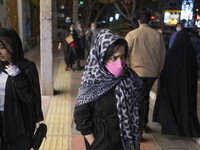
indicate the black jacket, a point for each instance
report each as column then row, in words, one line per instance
column 22, row 108
column 100, row 118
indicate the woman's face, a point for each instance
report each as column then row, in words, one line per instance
column 4, row 55
column 72, row 26
column 79, row 26
column 118, row 55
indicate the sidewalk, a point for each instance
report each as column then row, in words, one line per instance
column 171, row 142
column 58, row 111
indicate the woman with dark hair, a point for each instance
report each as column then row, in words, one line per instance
column 107, row 105
column 69, row 45
column 20, row 99
column 176, row 104
column 178, row 27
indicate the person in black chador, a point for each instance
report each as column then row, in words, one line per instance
column 69, row 49
column 107, row 105
column 176, row 104
column 20, row 98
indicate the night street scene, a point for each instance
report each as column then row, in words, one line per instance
column 99, row 74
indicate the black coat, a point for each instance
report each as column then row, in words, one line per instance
column 22, row 108
column 100, row 118
column 176, row 104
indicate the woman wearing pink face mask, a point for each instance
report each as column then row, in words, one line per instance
column 106, row 109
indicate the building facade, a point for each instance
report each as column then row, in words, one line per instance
column 23, row 16
column 186, row 11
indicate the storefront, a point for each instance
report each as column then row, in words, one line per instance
column 172, row 17
column 187, row 12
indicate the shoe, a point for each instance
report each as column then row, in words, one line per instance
column 66, row 68
column 147, row 129
column 71, row 68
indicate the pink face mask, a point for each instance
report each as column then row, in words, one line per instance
column 116, row 68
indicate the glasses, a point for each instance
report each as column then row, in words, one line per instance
column 114, row 58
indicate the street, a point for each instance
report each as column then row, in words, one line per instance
column 58, row 111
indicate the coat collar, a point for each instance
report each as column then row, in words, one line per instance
column 143, row 25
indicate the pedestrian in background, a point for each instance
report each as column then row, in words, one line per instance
column 20, row 99
column 147, row 55
column 82, row 43
column 178, row 27
column 68, row 41
column 91, row 36
column 107, row 105
column 176, row 103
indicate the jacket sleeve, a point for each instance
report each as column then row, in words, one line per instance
column 83, row 119
column 28, row 89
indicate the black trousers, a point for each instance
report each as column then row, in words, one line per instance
column 144, row 101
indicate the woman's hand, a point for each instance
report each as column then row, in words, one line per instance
column 90, row 138
column 59, row 46
column 7, row 67
column 41, row 122
column 31, row 149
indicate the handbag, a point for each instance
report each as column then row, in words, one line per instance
column 39, row 135
column 69, row 39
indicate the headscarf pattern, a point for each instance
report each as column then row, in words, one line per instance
column 97, row 81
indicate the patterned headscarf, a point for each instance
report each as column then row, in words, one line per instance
column 97, row 81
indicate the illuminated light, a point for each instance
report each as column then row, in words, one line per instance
column 178, row 11
column 173, row 21
column 152, row 17
column 81, row 2
column 111, row 19
column 117, row 15
column 171, row 18
column 198, row 17
column 197, row 9
column 187, row 11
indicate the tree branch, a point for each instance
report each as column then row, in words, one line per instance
column 120, row 11
column 93, row 3
column 99, row 12
column 127, row 12
column 133, row 7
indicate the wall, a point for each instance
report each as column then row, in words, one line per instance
column 8, row 14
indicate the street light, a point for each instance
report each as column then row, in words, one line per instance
column 81, row 2
column 117, row 15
